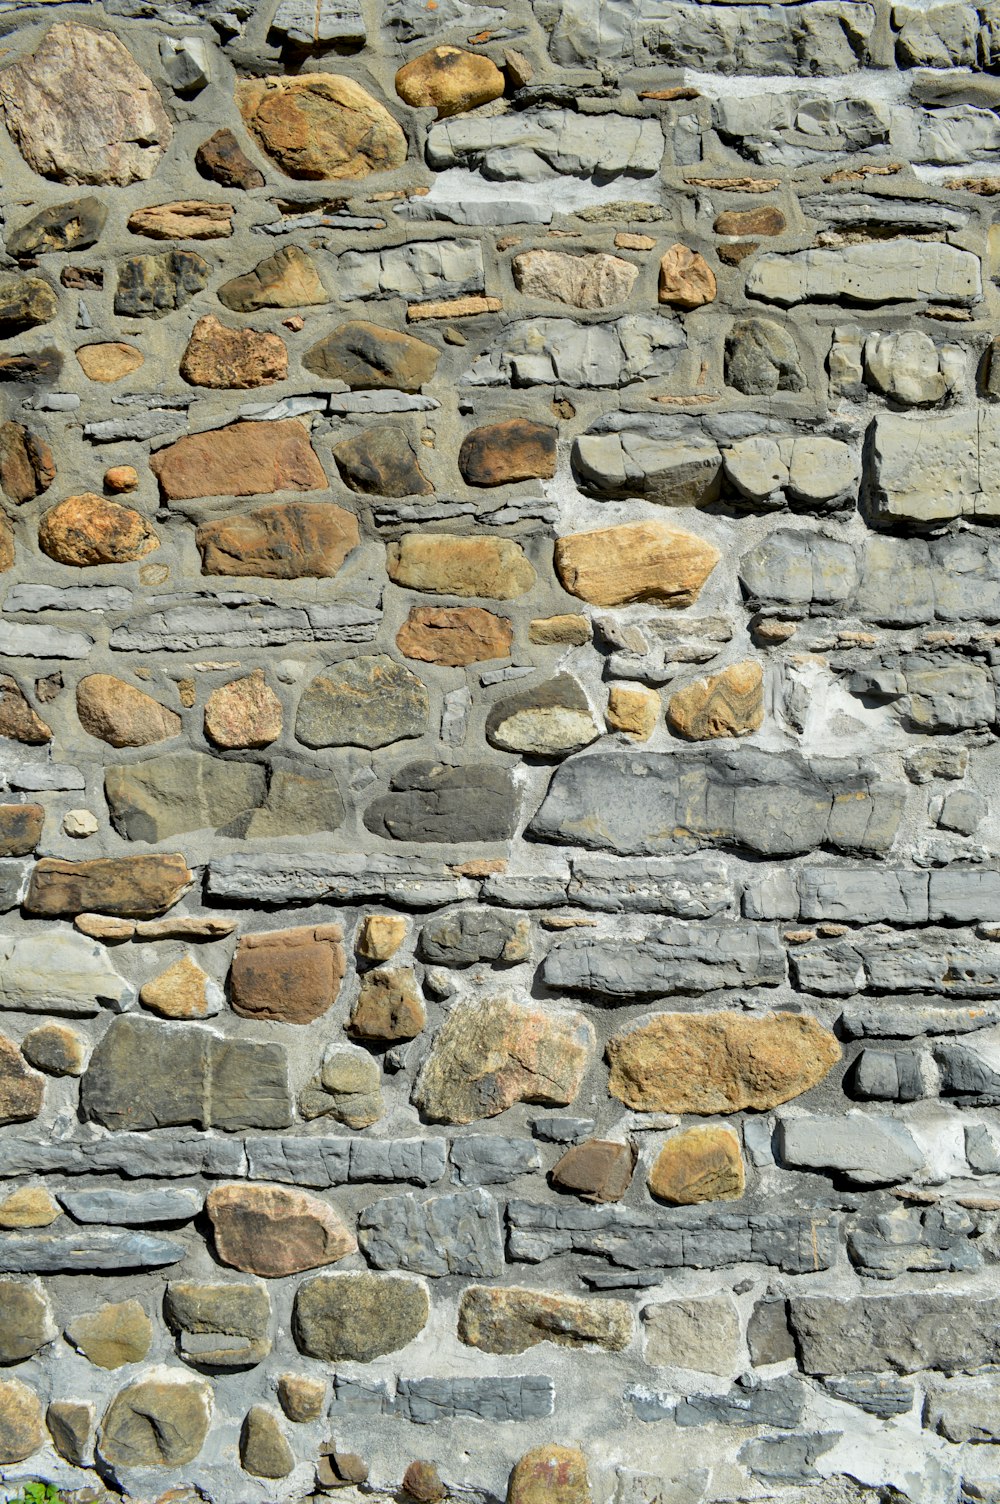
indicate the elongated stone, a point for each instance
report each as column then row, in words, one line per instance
column 242, row 459
column 511, row 1320
column 130, row 886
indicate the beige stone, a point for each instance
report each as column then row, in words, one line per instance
column 55, row 1049
column 301, row 1397
column 80, row 824
column 182, row 991
column 273, row 1232
column 114, row 1335
column 21, row 1430
column 186, row 219
column 28, row 1206
column 388, row 1008
column 242, row 459
column 700, row 1164
column 464, row 307
column 110, row 361
column 244, row 713
column 635, row 561
column 454, row 636
column 449, row 80
column 686, row 279
column 634, row 709
column 595, row 281
column 561, row 631
column 550, row 1475
column 89, row 529
column 511, row 1320
column 730, row 703
column 380, row 936
column 321, row 125
column 122, row 715
column 220, row 357
column 450, row 564
column 288, row 279
column 700, row 1334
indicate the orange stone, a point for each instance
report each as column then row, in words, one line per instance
column 242, row 459
column 686, row 279
column 89, row 529
column 700, row 1164
column 636, row 561
column 109, row 362
column 454, row 635
column 217, row 356
column 288, row 541
column 292, row 976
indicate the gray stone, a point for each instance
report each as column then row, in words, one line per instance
column 186, row 63
column 138, row 427
column 937, row 1240
column 962, row 810
column 768, row 1337
column 462, row 937
column 967, row 1073
column 487, row 1159
column 911, row 369
column 686, row 887
column 26, row 1323
column 309, row 877
column 797, row 568
column 882, row 1395
column 787, row 1459
column 702, row 1334
column 161, row 797
column 22, row 640
column 942, row 36
column 956, row 475
column 561, row 1128
column 761, row 358
column 219, row 1325
column 907, row 1333
column 982, row 1149
column 144, row 1208
column 358, row 1317
column 964, row 1409
column 193, row 623
column 71, row 1426
column 113, row 598
column 13, row 880
column 144, row 1074
column 675, row 958
column 553, row 351
column 778, row 1402
column 60, row 972
column 869, row 273
column 309, row 25
column 863, row 1148
column 154, row 285
column 658, row 459
column 540, row 144
column 797, row 127
column 862, row 895
column 893, row 1076
column 454, row 1234
column 76, row 1252
column 496, row 1398
column 324, row 1162
column 366, row 702
column 550, row 719
column 425, row 269
column 164, row 1157
column 430, row 801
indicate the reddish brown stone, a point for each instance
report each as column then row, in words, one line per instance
column 765, row 219
column 222, row 159
column 89, row 529
column 732, row 255
column 217, row 356
column 501, row 452
column 26, row 464
column 597, row 1170
column 20, row 828
column 133, row 887
column 389, row 1007
column 242, row 459
column 273, row 1232
column 21, row 1089
column 17, row 719
column 6, row 543
column 292, row 976
column 454, row 635
column 289, row 541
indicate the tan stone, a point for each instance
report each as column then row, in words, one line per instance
column 450, row 564
column 302, row 1397
column 764, row 219
column 273, row 1232
column 18, row 720
column 321, row 125
column 730, row 703
column 21, row 1431
column 242, row 459
column 594, row 281
column 566, row 630
column 464, row 307
column 196, row 927
column 89, row 529
column 187, row 219
column 288, row 541
column 55, row 1049
column 550, row 1475
column 21, row 1090
column 626, row 241
column 596, row 1170
column 28, row 1206
column 510, row 1320
column 127, row 886
column 288, row 279
column 121, row 478
column 454, row 635
column 635, row 561
column 700, row 1334
column 109, row 362
column 217, row 356
column 719, row 1062
column 634, row 709
column 686, row 279
column 161, row 1420
column 122, row 715
column 114, row 1335
column 244, row 713
column 26, row 464
column 499, row 453
column 103, row 927
column 449, row 80
column 292, row 976
column 388, row 1008
column 6, row 543
column 182, row 991
column 700, row 1164
column 380, row 936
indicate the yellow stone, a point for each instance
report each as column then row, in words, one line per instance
column 380, row 936
column 182, row 991
column 700, row 1164
column 636, row 561
column 730, row 703
column 634, row 709
column 109, row 362
column 28, row 1206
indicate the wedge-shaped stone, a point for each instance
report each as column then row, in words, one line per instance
column 907, row 1333
column 291, row 540
column 242, row 459
column 719, row 1062
column 121, row 714
column 22, row 1090
column 547, row 720
column 636, row 561
column 292, row 976
column 321, row 125
column 137, row 887
column 95, row 1250
column 370, row 358
column 288, row 279
column 357, row 1317
column 59, row 972
column 165, row 796
column 893, row 271
column 62, row 227
column 510, row 1320
column 274, row 1232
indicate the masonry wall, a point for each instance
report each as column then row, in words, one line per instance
column 500, row 616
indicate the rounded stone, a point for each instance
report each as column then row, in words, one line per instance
column 452, row 564
column 371, row 358
column 301, row 1397
column 264, row 1448
column 121, row 478
column 89, row 529
column 321, row 125
column 112, row 1336
column 368, row 701
column 21, row 1428
column 109, row 362
column 354, row 1318
column 454, row 636
column 55, row 1049
column 499, row 453
column 449, row 80
column 635, row 561
column 550, row 1475
column 244, row 713
column 273, row 1232
column 730, row 703
column 686, row 279
column 422, row 1483
column 700, row 1164
column 161, row 1420
column 122, row 715
column 28, row 1206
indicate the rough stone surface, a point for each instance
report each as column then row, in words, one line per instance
column 702, row 1334
column 357, row 1317
column 370, row 358
column 512, row 1320
column 89, row 529
column 290, row 975
column 636, row 561
column 598, row 281
column 500, row 453
column 113, row 1336
column 121, row 714
column 244, row 459
column 217, row 356
column 454, row 636
column 448, row 564
column 369, row 702
column 273, row 1232
column 322, row 125
column 381, row 462
column 21, row 1431
column 550, row 1475
column 159, row 1421
column 288, row 279
column 699, row 1164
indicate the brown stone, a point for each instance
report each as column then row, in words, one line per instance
column 454, row 635
column 81, row 110
column 594, row 281
column 764, row 219
column 119, row 478
column 131, row 887
column 558, row 631
column 370, row 358
column 182, row 991
column 244, row 713
column 89, row 529
column 122, row 715
column 242, row 459
column 292, row 976
column 288, row 279
column 700, row 1164
column 321, row 125
column 380, row 936
column 730, row 703
column 196, row 927
column 158, row 1421
column 357, row 1317
column 71, row 1426
column 217, row 356
column 422, row 1482
column 102, row 927
column 510, row 1320
column 21, row 1089
column 18, row 720
column 21, row 1431
column 451, row 564
column 686, row 279
column 109, row 362
column 272, row 1232
column 264, row 1448
column 635, row 561
column 492, row 1053
column 550, row 1475
column 55, row 1049
column 388, row 1008
column 381, row 461
column 6, row 543
column 187, row 219
column 301, row 1397
column 596, row 1170
column 634, row 709
column 28, row 1206
column 518, row 449
column 288, row 541
column 113, row 1336
column 222, row 159
column 26, row 464
column 733, row 255
column 719, row 1062
column 449, row 80
column 20, row 828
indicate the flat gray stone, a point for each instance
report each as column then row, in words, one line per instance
column 74, row 1252
column 893, row 271
column 307, row 23
column 309, row 877
column 22, row 640
column 495, row 1398
column 324, row 1162
column 463, row 937
column 907, row 1333
column 143, row 1208
column 675, row 958
column 27, row 598
column 164, row 1156
column 863, row 1148
column 686, row 887
column 489, row 1159
column 554, row 351
column 534, row 145
column 161, row 797
column 418, row 271
column 453, row 1234
column 191, row 624
column 59, row 972
column 430, row 801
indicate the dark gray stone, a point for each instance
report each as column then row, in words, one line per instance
column 76, row 1252
column 779, row 1402
column 430, row 801
column 464, row 936
column 906, row 1333
column 787, row 1459
column 893, row 1076
column 676, row 958
column 323, row 1162
column 454, row 1234
column 761, row 358
column 13, row 879
column 488, row 1159
column 962, row 810
column 964, row 1073
column 561, row 1128
column 309, row 25
column 144, row 1208
column 496, row 1398
column 62, row 227
column 939, row 1240
column 768, row 1337
column 164, row 1156
column 882, row 1396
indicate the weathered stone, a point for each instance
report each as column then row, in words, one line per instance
column 18, row 720
column 488, row 1159
column 130, row 886
column 493, row 1053
column 81, row 110
column 963, row 1409
column 296, row 804
column 699, row 1164
column 422, row 1483
column 863, row 1148
column 26, row 1323
column 550, row 1475
column 221, row 1326
column 144, row 1074
column 380, row 936
column 288, row 279
column 25, row 302
column 517, row 449
column 388, row 1007
column 674, row 1063
column 872, row 272
column 242, row 459
column 454, row 636
column 511, row 1320
column 449, row 564
column 154, row 285
column 368, row 701
column 686, row 279
column 761, row 358
column 182, row 991
column 62, row 227
column 906, row 1333
column 306, row 877
column 222, row 159
column 548, row 720
column 594, row 281
column 675, row 957
column 21, row 1090
column 517, row 1397
column 20, row 828
column 699, row 1334
column 182, row 1154
column 217, row 356
column 730, row 703
column 292, row 976
column 88, row 1250
column 89, row 529
column 287, row 541
column 187, row 219
column 271, row 1232
column 765, row 219
column 464, row 936
column 420, row 271
column 634, row 710
column 321, row 125
column 348, row 1088
column 71, row 1425
column 956, row 474
column 368, row 357
column 381, row 462
column 264, row 1448
column 165, row 796
column 454, row 1234
column 311, row 26
column 21, row 1432
column 109, row 362
column 243, row 713
column 132, row 1208
column 301, row 1397
column 112, row 1336
column 449, row 80
column 596, row 1170
column 358, row 1317
column 561, row 352
column 58, row 973
column 545, row 143
column 122, row 715
column 26, row 464
column 635, row 561
column 28, row 1206
column 160, row 1420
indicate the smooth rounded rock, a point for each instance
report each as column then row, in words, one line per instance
column 161, row 1420
column 122, row 715
column 89, row 529
column 700, row 1164
column 449, row 80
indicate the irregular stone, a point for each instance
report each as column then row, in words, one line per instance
column 634, row 710
column 635, row 561
column 454, row 636
column 488, row 1159
column 154, row 285
column 348, row 1088
column 144, row 1074
column 761, row 358
column 308, row 25
column 271, row 1232
column 649, row 457
column 686, row 279
column 449, row 80
column 368, row 701
column 28, row 1206
column 296, row 804
column 381, row 462
column 380, row 936
column 160, row 1420
column 963, row 1409
column 512, row 1320
column 321, row 125
column 499, row 453
column 109, row 362
column 863, row 1148
column 181, row 1155
column 20, row 828
column 868, row 273
column 593, row 281
column 26, row 464
column 388, row 1007
column 550, row 1475
column 58, row 973
column 221, row 1326
column 288, row 279
column 955, row 477
column 518, row 1397
column 187, row 219
column 596, row 1170
column 547, row 720
column 454, row 1234
column 222, row 159
column 357, row 1317
column 195, row 927
column 81, row 110
column 242, row 459
column 243, row 713
column 26, row 1323
column 701, row 1334
column 21, row 1432
column 165, row 796
column 673, row 1063
column 113, row 1336
column 287, row 541
column 301, row 1397
column 907, row 1333
column 908, row 367
column 264, row 1448
column 368, row 357
column 62, row 227
column 443, row 267
column 765, row 219
column 71, row 1425
column 122, row 715
column 21, row 1090
column 18, row 720
column 292, row 976
column 449, row 564
column 182, row 991
column 537, row 145
column 464, row 936
column 730, row 703
column 422, row 1483
column 699, row 1164
column 561, row 352
column 89, row 529
column 492, row 1053
column 217, row 356
column 130, row 886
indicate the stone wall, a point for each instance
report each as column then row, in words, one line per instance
column 500, row 608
